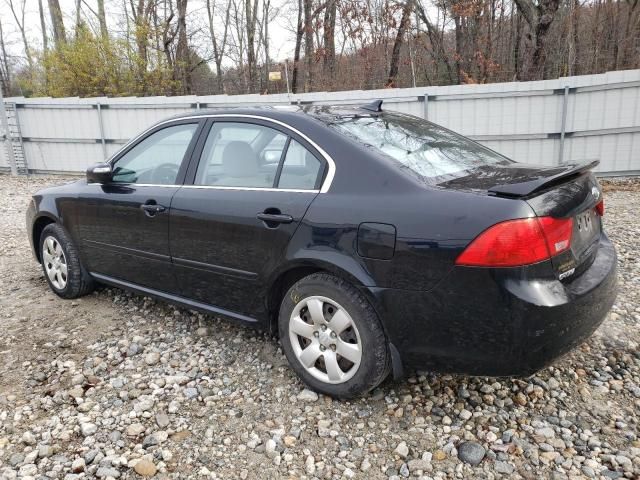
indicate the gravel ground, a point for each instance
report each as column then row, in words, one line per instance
column 116, row 385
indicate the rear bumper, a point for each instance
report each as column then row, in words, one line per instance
column 498, row 322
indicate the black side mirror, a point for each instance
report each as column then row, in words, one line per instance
column 99, row 173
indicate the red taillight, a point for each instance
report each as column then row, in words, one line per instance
column 518, row 242
column 600, row 208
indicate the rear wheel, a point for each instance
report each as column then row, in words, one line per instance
column 61, row 264
column 332, row 336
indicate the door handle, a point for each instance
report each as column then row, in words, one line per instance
column 150, row 209
column 274, row 218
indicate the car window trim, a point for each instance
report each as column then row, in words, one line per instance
column 214, row 187
column 254, row 189
column 283, row 157
column 206, row 121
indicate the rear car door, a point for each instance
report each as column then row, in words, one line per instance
column 124, row 225
column 230, row 227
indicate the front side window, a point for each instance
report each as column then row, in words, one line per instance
column 429, row 151
column 156, row 159
column 240, row 155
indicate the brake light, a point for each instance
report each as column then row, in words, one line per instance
column 600, row 208
column 518, row 242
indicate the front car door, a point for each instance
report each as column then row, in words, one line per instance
column 230, row 227
column 124, row 225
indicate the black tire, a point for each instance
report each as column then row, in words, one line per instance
column 78, row 281
column 375, row 361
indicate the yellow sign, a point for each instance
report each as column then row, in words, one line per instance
column 273, row 76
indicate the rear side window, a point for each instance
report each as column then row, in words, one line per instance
column 429, row 151
column 301, row 169
column 247, row 155
column 240, row 155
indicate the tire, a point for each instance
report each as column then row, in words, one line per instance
column 325, row 304
column 76, row 282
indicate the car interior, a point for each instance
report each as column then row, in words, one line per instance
column 234, row 155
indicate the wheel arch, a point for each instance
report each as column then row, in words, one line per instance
column 294, row 271
column 38, row 226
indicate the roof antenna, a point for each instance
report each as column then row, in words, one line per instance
column 375, row 106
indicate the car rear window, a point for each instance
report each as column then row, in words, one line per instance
column 429, row 151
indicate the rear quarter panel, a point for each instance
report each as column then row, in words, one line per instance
column 433, row 226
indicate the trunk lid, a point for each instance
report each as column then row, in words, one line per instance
column 567, row 191
column 516, row 180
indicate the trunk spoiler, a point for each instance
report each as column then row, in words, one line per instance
column 524, row 189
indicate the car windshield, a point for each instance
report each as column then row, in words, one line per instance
column 429, row 151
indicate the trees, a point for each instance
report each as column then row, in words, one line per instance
column 296, row 51
column 168, row 47
column 308, row 46
column 219, row 42
column 539, row 16
column 251, row 19
column 407, row 9
column 5, row 75
column 59, row 34
column 329, row 41
column 102, row 19
column 183, row 64
column 18, row 13
column 43, row 27
column 87, row 65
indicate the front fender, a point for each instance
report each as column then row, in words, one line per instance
column 45, row 207
column 36, row 221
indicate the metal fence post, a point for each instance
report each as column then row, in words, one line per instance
column 563, row 125
column 8, row 141
column 102, row 139
column 426, row 106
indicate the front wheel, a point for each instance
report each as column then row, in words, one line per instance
column 332, row 337
column 61, row 264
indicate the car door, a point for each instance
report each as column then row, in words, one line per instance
column 124, row 225
column 230, row 228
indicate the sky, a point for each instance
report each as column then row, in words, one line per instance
column 280, row 29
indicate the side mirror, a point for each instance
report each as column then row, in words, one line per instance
column 99, row 173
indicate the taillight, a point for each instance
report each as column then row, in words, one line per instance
column 518, row 242
column 600, row 208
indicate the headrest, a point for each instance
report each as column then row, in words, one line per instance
column 239, row 160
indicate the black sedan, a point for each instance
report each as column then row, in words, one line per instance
column 370, row 240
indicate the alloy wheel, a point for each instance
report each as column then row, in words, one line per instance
column 55, row 262
column 325, row 339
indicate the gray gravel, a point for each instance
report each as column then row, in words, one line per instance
column 115, row 385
